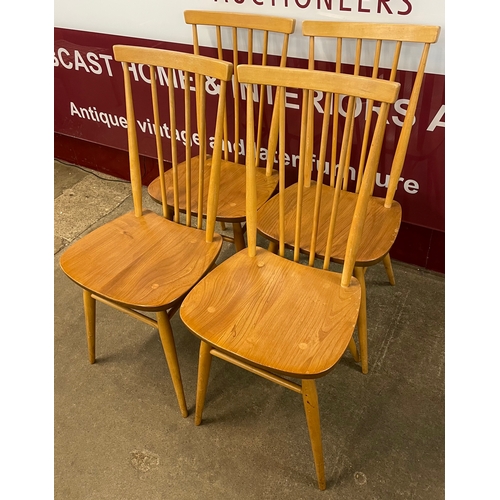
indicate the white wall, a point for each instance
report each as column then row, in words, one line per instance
column 163, row 19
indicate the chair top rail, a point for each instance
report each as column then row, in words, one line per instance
column 239, row 20
column 372, row 31
column 167, row 58
column 363, row 87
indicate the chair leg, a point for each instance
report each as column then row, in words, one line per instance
column 354, row 350
column 89, row 309
column 388, row 269
column 362, row 321
column 310, row 398
column 205, row 361
column 273, row 247
column 167, row 341
column 239, row 239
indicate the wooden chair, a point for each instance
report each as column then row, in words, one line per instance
column 373, row 42
column 229, row 30
column 280, row 317
column 141, row 261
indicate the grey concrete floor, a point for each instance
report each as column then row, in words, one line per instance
column 119, row 434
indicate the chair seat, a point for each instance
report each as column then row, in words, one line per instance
column 146, row 263
column 379, row 233
column 274, row 313
column 231, row 206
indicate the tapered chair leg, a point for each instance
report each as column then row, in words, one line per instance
column 388, row 269
column 362, row 320
column 354, row 350
column 205, row 361
column 310, row 398
column 239, row 239
column 167, row 341
column 89, row 308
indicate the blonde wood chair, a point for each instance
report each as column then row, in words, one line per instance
column 280, row 317
column 371, row 44
column 142, row 261
column 238, row 37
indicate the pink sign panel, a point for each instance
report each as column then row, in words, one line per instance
column 90, row 105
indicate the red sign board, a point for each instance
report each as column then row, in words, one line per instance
column 90, row 105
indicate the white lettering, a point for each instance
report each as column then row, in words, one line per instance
column 92, row 114
column 133, row 69
column 104, row 119
column 95, row 67
column 291, row 95
column 437, row 122
column 142, row 125
column 357, row 109
column 398, row 106
column 411, row 186
column 74, row 109
column 161, row 73
column 90, row 61
column 79, row 62
column 211, row 86
column 107, row 58
column 143, row 76
column 63, row 63
column 318, row 95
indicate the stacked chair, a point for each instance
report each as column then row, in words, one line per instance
column 241, row 33
column 276, row 316
column 373, row 41
column 143, row 262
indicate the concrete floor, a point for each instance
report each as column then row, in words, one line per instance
column 119, row 434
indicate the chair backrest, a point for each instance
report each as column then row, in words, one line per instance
column 231, row 30
column 175, row 69
column 384, row 42
column 326, row 84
